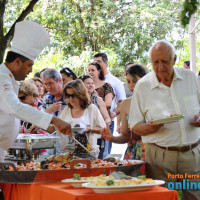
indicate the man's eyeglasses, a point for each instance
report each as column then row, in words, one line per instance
column 22, row 98
column 71, row 95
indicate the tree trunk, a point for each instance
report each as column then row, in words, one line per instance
column 5, row 40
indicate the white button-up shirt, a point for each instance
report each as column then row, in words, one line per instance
column 118, row 89
column 11, row 110
column 153, row 100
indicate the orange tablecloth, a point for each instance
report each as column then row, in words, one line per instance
column 56, row 191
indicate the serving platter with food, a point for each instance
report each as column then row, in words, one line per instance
column 60, row 167
column 123, row 185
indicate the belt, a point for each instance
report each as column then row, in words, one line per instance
column 181, row 149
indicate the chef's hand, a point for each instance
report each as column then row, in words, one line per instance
column 62, row 126
column 196, row 121
column 106, row 134
column 34, row 128
column 54, row 107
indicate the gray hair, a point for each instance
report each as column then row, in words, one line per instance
column 27, row 87
column 52, row 73
column 164, row 43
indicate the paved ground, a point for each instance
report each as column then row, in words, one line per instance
column 118, row 148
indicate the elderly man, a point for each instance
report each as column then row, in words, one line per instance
column 53, row 101
column 172, row 149
column 29, row 40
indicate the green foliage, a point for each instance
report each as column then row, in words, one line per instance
column 183, row 54
column 123, row 29
column 128, row 28
column 189, row 8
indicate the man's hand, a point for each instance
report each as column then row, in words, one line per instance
column 34, row 128
column 196, row 121
column 144, row 129
column 107, row 134
column 62, row 126
column 54, row 107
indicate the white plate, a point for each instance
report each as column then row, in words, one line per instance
column 168, row 119
column 127, row 188
column 75, row 183
column 77, row 129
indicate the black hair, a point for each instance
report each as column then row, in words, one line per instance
column 67, row 71
column 11, row 56
column 84, row 77
column 37, row 74
column 187, row 63
column 136, row 70
column 126, row 66
column 101, row 76
column 103, row 56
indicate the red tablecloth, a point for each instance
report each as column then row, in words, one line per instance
column 57, row 191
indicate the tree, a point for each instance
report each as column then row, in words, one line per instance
column 7, row 35
column 127, row 27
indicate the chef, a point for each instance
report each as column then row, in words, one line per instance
column 29, row 40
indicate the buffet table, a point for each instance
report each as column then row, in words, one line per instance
column 52, row 191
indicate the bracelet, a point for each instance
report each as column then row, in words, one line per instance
column 90, row 131
column 115, row 114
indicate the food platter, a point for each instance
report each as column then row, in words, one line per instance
column 168, row 119
column 56, row 175
column 126, row 188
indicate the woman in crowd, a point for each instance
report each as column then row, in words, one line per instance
column 104, row 90
column 135, row 149
column 98, row 101
column 95, row 99
column 28, row 94
column 67, row 75
column 41, row 90
column 80, row 113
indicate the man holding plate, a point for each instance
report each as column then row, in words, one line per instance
column 171, row 148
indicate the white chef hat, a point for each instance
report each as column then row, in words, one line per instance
column 29, row 40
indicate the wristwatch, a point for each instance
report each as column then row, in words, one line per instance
column 90, row 131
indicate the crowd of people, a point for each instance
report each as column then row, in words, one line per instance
column 56, row 101
column 93, row 104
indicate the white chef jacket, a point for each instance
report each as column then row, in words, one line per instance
column 11, row 110
column 153, row 100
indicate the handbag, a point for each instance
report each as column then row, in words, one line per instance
column 82, row 138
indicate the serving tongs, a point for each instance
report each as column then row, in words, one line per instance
column 84, row 148
column 120, row 175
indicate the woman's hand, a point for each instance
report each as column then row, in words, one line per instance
column 107, row 134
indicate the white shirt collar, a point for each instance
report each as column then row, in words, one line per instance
column 154, row 80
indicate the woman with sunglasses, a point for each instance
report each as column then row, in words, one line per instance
column 135, row 149
column 79, row 110
column 67, row 75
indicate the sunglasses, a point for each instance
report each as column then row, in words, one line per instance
column 71, row 95
column 22, row 98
